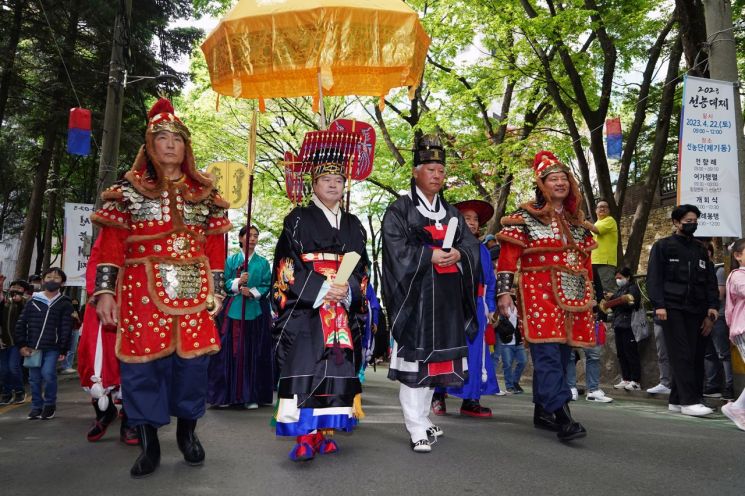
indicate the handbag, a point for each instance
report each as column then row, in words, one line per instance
column 639, row 324
column 33, row 361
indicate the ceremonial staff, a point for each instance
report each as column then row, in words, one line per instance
column 251, row 167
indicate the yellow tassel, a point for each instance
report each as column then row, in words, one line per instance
column 357, row 407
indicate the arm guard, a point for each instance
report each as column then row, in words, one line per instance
column 106, row 277
column 504, row 282
column 218, row 283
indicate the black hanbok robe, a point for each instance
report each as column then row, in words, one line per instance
column 319, row 368
column 431, row 309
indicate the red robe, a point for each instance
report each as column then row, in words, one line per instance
column 164, row 245
column 555, row 276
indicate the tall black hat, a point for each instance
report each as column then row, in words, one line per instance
column 428, row 148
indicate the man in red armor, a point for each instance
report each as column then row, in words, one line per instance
column 550, row 240
column 159, row 271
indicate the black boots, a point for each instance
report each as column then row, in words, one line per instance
column 104, row 418
column 544, row 420
column 127, row 434
column 569, row 429
column 188, row 442
column 149, row 459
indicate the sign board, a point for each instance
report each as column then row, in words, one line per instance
column 707, row 156
column 77, row 242
column 231, row 180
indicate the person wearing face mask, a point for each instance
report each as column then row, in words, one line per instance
column 683, row 290
column 44, row 327
column 11, row 374
column 627, row 349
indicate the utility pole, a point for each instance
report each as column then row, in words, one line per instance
column 112, row 122
column 723, row 66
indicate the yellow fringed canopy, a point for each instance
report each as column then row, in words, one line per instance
column 278, row 48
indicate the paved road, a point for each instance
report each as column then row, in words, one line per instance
column 634, row 447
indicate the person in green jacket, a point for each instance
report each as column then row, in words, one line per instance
column 241, row 374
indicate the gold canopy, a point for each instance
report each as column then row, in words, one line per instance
column 282, row 48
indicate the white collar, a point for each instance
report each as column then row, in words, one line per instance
column 333, row 215
column 427, row 208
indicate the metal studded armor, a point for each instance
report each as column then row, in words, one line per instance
column 554, row 287
column 162, row 251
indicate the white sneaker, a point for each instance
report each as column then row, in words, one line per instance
column 575, row 394
column 68, row 371
column 621, row 385
column 673, row 408
column 500, row 393
column 251, row 406
column 697, row 410
column 421, row 446
column 632, row 386
column 599, row 396
column 659, row 389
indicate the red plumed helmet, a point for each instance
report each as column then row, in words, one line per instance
column 162, row 106
column 546, row 162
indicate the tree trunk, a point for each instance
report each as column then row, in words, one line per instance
column 51, row 209
column 54, row 125
column 10, row 57
column 693, row 36
column 641, row 216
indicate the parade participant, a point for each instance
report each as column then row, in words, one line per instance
column 241, row 373
column 430, row 293
column 482, row 378
column 159, row 273
column 42, row 335
column 11, row 375
column 98, row 366
column 317, row 352
column 550, row 240
column 683, row 291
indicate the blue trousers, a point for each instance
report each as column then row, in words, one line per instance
column 11, row 374
column 44, row 378
column 155, row 391
column 592, row 368
column 550, row 388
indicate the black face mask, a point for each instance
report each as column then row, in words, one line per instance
column 689, row 229
column 52, row 286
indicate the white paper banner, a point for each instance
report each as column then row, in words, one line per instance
column 77, row 242
column 707, row 156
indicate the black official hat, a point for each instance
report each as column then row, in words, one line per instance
column 428, row 148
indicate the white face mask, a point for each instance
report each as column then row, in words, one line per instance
column 621, row 282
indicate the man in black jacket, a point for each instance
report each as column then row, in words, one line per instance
column 682, row 287
column 44, row 327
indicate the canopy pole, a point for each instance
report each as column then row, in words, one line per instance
column 321, row 109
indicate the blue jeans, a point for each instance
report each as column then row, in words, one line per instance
column 514, row 359
column 592, row 368
column 69, row 360
column 45, row 375
column 11, row 374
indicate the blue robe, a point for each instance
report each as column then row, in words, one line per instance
column 482, row 378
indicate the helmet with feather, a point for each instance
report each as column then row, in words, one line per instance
column 146, row 174
column 544, row 164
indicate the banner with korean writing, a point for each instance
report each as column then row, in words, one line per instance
column 707, row 156
column 77, row 242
